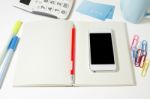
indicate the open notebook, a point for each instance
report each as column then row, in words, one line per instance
column 56, row 53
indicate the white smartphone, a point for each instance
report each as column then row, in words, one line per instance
column 102, row 50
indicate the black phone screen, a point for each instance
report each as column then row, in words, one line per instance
column 101, row 48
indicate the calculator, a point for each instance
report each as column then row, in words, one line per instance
column 53, row 8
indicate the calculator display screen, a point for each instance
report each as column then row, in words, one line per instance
column 25, row 1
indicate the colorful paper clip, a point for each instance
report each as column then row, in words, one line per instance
column 134, row 53
column 138, row 58
column 144, row 47
column 135, row 41
column 144, row 52
column 145, row 67
column 142, row 60
column 134, row 48
column 141, row 54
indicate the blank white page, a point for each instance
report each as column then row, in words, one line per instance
column 44, row 54
column 84, row 76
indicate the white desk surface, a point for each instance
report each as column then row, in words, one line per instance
column 8, row 17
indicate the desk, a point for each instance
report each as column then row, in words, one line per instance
column 8, row 17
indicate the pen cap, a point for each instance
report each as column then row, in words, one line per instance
column 17, row 27
column 14, row 42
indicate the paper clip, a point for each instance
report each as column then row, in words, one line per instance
column 134, row 48
column 144, row 52
column 145, row 67
column 134, row 54
column 142, row 60
column 135, row 41
column 141, row 54
column 144, row 47
column 138, row 58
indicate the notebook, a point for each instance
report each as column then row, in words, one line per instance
column 56, row 53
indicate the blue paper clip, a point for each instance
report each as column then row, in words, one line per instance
column 144, row 47
column 134, row 54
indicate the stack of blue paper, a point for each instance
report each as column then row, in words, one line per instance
column 96, row 10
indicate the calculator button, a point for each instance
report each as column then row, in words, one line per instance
column 63, row 12
column 59, row 4
column 53, row 2
column 43, row 7
column 45, row 1
column 57, row 11
column 50, row 9
column 66, row 5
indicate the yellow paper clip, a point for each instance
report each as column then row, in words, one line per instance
column 145, row 67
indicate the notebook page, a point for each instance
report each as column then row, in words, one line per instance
column 44, row 54
column 84, row 76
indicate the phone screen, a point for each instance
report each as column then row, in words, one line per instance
column 101, row 48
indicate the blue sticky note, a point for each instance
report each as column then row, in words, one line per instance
column 96, row 10
column 110, row 15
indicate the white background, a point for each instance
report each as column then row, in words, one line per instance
column 9, row 15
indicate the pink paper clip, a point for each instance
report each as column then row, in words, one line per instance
column 134, row 48
column 135, row 41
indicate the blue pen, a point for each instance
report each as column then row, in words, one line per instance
column 9, row 54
